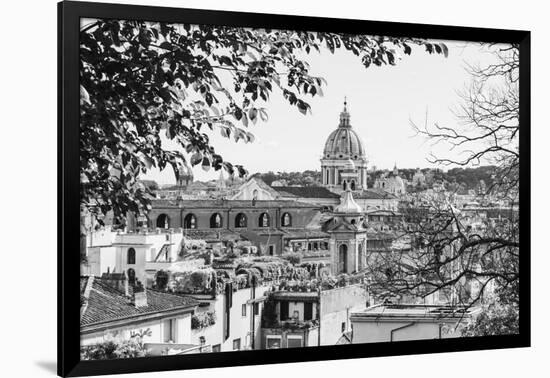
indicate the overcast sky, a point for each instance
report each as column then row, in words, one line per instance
column 381, row 101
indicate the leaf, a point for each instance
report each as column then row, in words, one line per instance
column 225, row 131
column 263, row 115
column 302, row 107
column 206, row 164
column 253, row 115
column 196, row 158
column 84, row 95
column 146, row 160
column 445, row 50
column 166, row 46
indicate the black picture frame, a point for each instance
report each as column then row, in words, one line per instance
column 69, row 14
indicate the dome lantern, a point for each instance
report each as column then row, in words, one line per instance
column 344, row 116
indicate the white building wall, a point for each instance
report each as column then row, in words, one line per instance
column 336, row 307
column 183, row 331
column 373, row 332
column 100, row 259
column 240, row 326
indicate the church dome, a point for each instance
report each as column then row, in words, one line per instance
column 344, row 142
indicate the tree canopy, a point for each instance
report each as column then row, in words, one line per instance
column 141, row 79
column 473, row 258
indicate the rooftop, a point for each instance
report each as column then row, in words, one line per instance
column 298, row 296
column 373, row 194
column 303, row 233
column 412, row 311
column 215, row 204
column 102, row 303
column 305, row 191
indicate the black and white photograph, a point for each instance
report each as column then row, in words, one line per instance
column 247, row 189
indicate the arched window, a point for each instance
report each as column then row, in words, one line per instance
column 343, row 259
column 216, row 221
column 263, row 221
column 131, row 256
column 345, row 185
column 286, row 220
column 131, row 276
column 190, row 221
column 163, row 221
column 240, row 220
column 255, row 194
column 352, row 186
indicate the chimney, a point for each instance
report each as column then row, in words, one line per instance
column 126, row 289
column 117, row 281
column 140, row 296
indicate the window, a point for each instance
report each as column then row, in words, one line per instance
column 216, row 220
column 308, row 311
column 237, row 344
column 243, row 310
column 271, row 250
column 294, row 341
column 169, row 331
column 255, row 194
column 163, row 221
column 286, row 220
column 131, row 256
column 263, row 221
column 256, row 308
column 240, row 220
column 272, row 342
column 190, row 221
column 352, row 186
column 343, row 259
column 284, row 310
column 343, row 326
column 216, row 348
column 131, row 276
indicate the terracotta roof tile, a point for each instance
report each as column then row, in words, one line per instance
column 104, row 303
column 306, row 191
